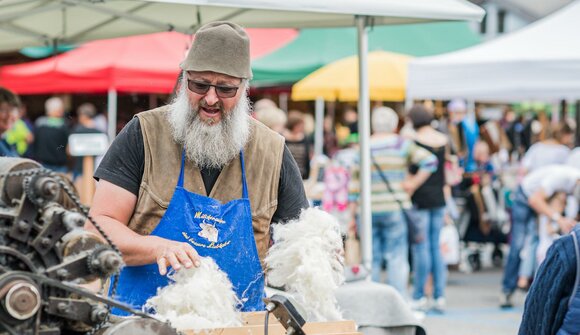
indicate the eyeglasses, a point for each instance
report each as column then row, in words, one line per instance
column 203, row 88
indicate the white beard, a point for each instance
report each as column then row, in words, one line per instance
column 210, row 145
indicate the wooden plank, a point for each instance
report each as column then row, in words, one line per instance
column 346, row 327
column 257, row 318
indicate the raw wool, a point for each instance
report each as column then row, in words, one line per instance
column 199, row 298
column 306, row 259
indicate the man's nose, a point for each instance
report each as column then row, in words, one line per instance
column 211, row 97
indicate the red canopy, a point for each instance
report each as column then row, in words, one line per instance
column 145, row 64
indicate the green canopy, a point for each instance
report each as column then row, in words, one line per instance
column 43, row 51
column 314, row 48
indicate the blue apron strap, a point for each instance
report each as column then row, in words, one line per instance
column 244, row 184
column 181, row 172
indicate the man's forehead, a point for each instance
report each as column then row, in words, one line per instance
column 6, row 107
column 212, row 76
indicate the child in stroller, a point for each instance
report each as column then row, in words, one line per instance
column 483, row 217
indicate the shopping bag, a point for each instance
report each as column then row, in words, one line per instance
column 449, row 244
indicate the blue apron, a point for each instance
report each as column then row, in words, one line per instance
column 221, row 231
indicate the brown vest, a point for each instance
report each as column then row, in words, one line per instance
column 262, row 157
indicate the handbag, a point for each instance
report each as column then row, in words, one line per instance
column 410, row 215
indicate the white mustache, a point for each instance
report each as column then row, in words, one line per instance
column 217, row 105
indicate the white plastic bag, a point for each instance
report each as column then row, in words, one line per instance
column 449, row 244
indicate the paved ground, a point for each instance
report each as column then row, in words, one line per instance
column 472, row 307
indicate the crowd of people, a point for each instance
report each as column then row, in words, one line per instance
column 46, row 139
column 497, row 181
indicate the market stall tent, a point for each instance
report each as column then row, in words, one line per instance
column 538, row 62
column 315, row 48
column 39, row 22
column 144, row 63
column 337, row 81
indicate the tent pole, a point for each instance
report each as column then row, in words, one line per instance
column 577, row 118
column 153, row 101
column 283, row 101
column 319, row 127
column 112, row 114
column 566, row 111
column 364, row 134
column 408, row 103
column 471, row 109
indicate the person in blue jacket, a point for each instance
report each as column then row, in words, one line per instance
column 553, row 303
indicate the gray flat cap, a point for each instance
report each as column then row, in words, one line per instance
column 222, row 47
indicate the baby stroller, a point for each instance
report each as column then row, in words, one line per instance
column 483, row 221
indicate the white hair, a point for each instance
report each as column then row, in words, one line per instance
column 384, row 120
column 54, row 104
column 457, row 105
column 264, row 103
column 272, row 117
column 199, row 298
column 210, row 145
column 306, row 259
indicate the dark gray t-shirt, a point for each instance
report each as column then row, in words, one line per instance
column 123, row 166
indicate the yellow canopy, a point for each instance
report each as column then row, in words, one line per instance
column 339, row 80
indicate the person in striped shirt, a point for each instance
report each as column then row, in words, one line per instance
column 395, row 155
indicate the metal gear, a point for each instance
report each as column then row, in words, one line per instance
column 28, row 190
column 40, row 191
column 104, row 261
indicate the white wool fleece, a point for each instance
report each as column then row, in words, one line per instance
column 200, row 298
column 306, row 259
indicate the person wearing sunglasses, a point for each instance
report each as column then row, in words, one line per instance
column 198, row 177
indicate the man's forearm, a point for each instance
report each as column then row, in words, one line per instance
column 135, row 248
column 413, row 182
column 539, row 204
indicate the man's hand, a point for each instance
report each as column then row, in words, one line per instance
column 408, row 186
column 174, row 254
column 566, row 224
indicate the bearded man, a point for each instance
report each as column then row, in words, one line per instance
column 198, row 177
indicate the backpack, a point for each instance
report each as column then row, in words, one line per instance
column 571, row 324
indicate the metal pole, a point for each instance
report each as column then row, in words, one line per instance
column 577, row 118
column 319, row 127
column 283, row 101
column 112, row 114
column 408, row 103
column 364, row 134
column 471, row 109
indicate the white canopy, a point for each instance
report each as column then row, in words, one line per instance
column 538, row 62
column 38, row 22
